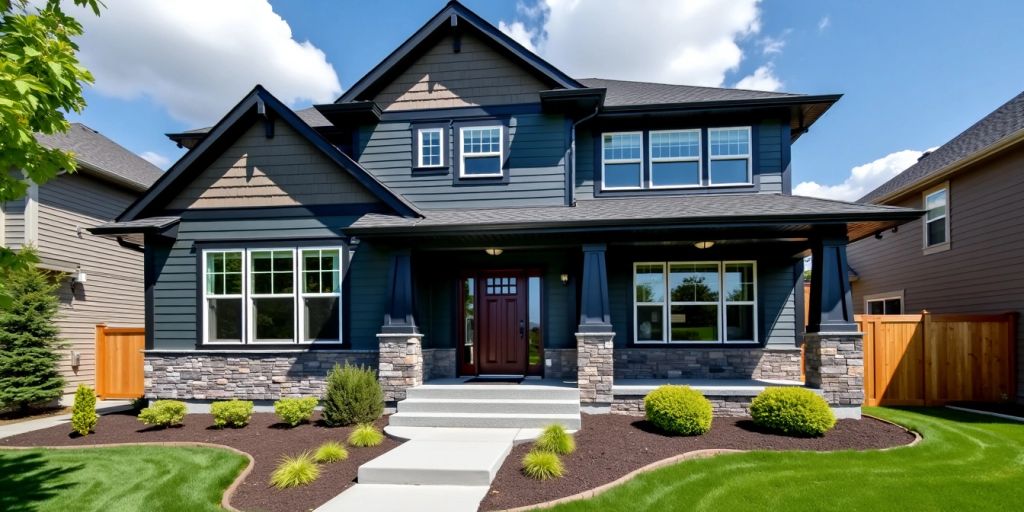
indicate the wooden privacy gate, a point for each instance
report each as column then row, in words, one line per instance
column 931, row 359
column 119, row 361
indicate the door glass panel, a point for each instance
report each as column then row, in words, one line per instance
column 468, row 319
column 534, row 319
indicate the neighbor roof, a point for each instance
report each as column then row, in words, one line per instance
column 991, row 130
column 103, row 157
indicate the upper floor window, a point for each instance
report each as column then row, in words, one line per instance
column 675, row 159
column 431, row 152
column 936, row 220
column 729, row 156
column 623, row 161
column 482, row 151
column 884, row 304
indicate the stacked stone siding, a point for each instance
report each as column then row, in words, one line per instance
column 563, row 363
column 401, row 364
column 727, row 406
column 214, row 375
column 438, row 363
column 707, row 363
column 835, row 364
column 595, row 367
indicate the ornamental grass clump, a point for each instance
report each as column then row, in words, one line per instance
column 331, row 451
column 295, row 410
column 365, row 435
column 542, row 465
column 555, row 439
column 353, row 396
column 295, row 471
column 83, row 411
column 792, row 411
column 231, row 413
column 679, row 410
column 163, row 413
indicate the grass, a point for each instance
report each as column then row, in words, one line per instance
column 542, row 465
column 117, row 478
column 365, row 435
column 331, row 451
column 294, row 471
column 555, row 439
column 965, row 462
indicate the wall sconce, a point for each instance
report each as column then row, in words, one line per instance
column 565, row 279
column 704, row 245
column 494, row 251
column 79, row 277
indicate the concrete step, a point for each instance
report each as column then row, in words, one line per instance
column 493, row 392
column 440, row 462
column 483, row 420
column 407, row 498
column 504, row 406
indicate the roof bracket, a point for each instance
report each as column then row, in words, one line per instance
column 268, row 123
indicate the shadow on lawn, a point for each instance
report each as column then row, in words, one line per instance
column 29, row 479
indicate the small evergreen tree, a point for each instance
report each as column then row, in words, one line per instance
column 83, row 412
column 353, row 395
column 29, row 339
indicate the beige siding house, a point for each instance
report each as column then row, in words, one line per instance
column 54, row 218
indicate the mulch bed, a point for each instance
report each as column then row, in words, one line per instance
column 610, row 446
column 264, row 438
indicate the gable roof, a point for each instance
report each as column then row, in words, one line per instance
column 454, row 16
column 622, row 93
column 100, row 156
column 1004, row 125
column 257, row 103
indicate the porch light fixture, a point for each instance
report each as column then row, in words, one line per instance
column 564, row 278
column 704, row 245
column 494, row 251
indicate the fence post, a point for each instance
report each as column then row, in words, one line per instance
column 926, row 325
column 1012, row 319
column 101, row 346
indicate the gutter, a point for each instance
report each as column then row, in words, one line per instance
column 572, row 154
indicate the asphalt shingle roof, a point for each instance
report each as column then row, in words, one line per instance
column 621, row 93
column 1001, row 123
column 94, row 150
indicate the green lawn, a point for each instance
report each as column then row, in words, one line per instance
column 116, row 479
column 965, row 462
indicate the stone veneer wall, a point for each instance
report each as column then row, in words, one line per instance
column 438, row 363
column 707, row 363
column 247, row 375
column 731, row 406
column 835, row 364
column 401, row 364
column 563, row 363
column 595, row 367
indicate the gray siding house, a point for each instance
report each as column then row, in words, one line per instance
column 467, row 209
column 54, row 218
column 963, row 255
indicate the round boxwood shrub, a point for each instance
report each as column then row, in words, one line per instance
column 678, row 410
column 793, row 411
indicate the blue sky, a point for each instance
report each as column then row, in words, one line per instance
column 913, row 73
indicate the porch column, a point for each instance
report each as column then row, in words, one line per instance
column 594, row 337
column 400, row 363
column 834, row 345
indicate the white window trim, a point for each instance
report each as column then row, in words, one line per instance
column 419, row 141
column 500, row 153
column 300, row 321
column 748, row 157
column 940, row 247
column 207, row 295
column 605, row 161
column 720, row 313
column 698, row 158
column 882, row 297
column 663, row 303
column 251, row 303
column 726, row 302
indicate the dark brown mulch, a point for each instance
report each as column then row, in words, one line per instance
column 610, row 446
column 1009, row 408
column 264, row 438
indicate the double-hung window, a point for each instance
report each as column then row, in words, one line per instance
column 675, row 159
column 321, row 295
column 936, row 220
column 695, row 302
column 729, row 156
column 272, row 295
column 622, row 165
column 224, row 300
column 431, row 149
column 482, row 151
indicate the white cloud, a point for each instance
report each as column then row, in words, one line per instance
column 824, row 23
column 762, row 79
column 773, row 45
column 694, row 42
column 517, row 30
column 156, row 159
column 863, row 178
column 197, row 58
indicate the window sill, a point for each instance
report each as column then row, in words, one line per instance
column 695, row 345
column 943, row 247
column 269, row 347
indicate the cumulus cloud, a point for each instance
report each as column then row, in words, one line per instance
column 863, row 178
column 694, row 42
column 155, row 158
column 762, row 79
column 197, row 58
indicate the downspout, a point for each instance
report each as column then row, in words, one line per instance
column 572, row 155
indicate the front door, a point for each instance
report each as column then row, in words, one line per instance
column 502, row 323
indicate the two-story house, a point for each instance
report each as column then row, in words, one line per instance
column 466, row 209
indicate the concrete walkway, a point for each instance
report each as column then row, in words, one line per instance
column 102, row 407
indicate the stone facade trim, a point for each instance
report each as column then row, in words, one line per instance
column 400, row 365
column 595, row 366
column 835, row 364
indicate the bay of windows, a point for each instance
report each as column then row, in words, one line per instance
column 676, row 159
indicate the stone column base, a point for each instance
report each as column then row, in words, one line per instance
column 401, row 364
column 595, row 366
column 835, row 364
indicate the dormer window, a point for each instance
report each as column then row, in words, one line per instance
column 623, row 161
column 482, row 151
column 729, row 156
column 675, row 159
column 431, row 153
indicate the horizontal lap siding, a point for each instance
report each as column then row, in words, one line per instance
column 979, row 274
column 13, row 223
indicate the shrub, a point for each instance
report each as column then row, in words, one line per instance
column 365, row 435
column 295, row 471
column 353, row 396
column 791, row 410
column 83, row 412
column 542, row 465
column 295, row 410
column 678, row 410
column 163, row 413
column 331, row 451
column 555, row 439
column 138, row 404
column 232, row 413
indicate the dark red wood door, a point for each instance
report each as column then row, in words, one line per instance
column 502, row 323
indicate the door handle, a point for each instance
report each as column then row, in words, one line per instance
column 522, row 329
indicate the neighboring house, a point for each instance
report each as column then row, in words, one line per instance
column 54, row 218
column 468, row 209
column 964, row 256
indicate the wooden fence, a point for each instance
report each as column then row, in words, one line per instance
column 931, row 359
column 119, row 361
